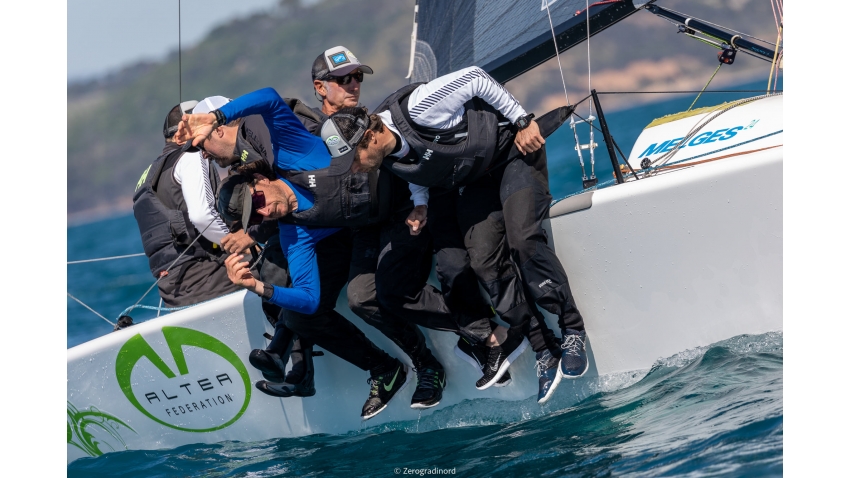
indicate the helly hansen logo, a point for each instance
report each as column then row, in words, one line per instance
column 312, row 180
column 547, row 281
column 427, row 155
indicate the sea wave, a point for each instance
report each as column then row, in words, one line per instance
column 705, row 411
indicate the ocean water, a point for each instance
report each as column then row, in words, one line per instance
column 712, row 411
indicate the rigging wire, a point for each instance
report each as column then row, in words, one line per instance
column 557, row 54
column 95, row 312
column 179, row 55
column 671, row 92
column 164, row 273
column 591, row 145
column 566, row 95
column 106, row 258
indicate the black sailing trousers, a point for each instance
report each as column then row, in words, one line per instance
column 402, row 269
column 326, row 327
column 500, row 217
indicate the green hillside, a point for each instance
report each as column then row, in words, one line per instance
column 114, row 124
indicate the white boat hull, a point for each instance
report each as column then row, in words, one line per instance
column 657, row 266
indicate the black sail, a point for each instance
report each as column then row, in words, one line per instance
column 504, row 37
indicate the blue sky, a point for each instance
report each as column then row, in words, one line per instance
column 105, row 35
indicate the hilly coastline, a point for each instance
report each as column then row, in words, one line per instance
column 114, row 122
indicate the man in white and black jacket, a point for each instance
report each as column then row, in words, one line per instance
column 174, row 203
column 468, row 139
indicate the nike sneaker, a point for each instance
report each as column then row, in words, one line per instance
column 430, row 383
column 499, row 359
column 384, row 387
column 270, row 364
column 548, row 377
column 573, row 356
column 476, row 356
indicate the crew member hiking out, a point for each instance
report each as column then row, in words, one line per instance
column 334, row 92
column 318, row 257
column 464, row 132
column 174, row 204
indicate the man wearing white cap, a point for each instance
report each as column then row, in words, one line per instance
column 174, row 203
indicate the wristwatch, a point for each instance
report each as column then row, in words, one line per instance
column 523, row 121
column 219, row 118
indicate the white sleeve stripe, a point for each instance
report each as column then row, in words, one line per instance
column 443, row 92
column 446, row 90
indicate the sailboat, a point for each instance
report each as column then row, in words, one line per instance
column 680, row 249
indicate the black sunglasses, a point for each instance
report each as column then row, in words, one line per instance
column 344, row 80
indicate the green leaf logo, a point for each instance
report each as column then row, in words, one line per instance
column 177, row 338
column 86, row 427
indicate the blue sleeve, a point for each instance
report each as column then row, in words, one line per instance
column 286, row 131
column 299, row 245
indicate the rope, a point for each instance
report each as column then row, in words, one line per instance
column 717, row 112
column 87, row 307
column 106, row 258
column 706, row 86
column 773, row 64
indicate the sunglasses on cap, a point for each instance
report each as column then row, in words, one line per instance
column 344, row 80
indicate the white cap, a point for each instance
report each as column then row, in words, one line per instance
column 210, row 103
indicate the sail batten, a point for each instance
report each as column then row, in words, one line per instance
column 506, row 38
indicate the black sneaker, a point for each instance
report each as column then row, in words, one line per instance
column 384, row 387
column 298, row 383
column 500, row 358
column 430, row 383
column 270, row 364
column 547, row 375
column 476, row 355
column 573, row 356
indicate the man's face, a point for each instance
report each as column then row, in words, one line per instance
column 220, row 145
column 268, row 199
column 367, row 159
column 338, row 95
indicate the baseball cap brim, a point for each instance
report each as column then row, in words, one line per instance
column 234, row 201
column 349, row 68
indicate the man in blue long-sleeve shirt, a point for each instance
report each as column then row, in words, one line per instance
column 318, row 257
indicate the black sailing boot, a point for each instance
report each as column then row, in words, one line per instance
column 272, row 361
column 299, row 381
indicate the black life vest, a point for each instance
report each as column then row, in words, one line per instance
column 163, row 218
column 348, row 200
column 455, row 160
column 311, row 118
